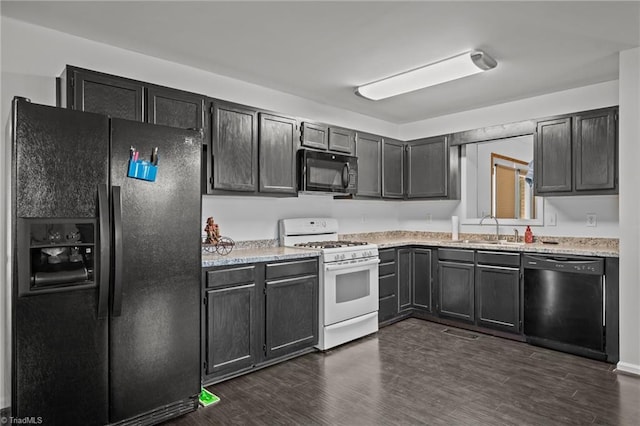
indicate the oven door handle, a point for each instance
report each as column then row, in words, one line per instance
column 350, row 265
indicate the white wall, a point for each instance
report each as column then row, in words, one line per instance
column 253, row 218
column 567, row 101
column 629, row 211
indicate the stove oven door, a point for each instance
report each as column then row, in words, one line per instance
column 351, row 290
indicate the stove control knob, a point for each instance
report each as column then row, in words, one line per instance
column 323, row 224
column 353, row 255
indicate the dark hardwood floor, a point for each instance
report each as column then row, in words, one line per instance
column 413, row 373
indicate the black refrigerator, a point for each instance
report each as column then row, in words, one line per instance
column 106, row 268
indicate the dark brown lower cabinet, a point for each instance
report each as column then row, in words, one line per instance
column 257, row 314
column 404, row 279
column 497, row 290
column 456, row 284
column 422, row 280
column 498, row 297
column 231, row 324
column 388, row 279
column 415, row 289
column 456, row 290
column 292, row 315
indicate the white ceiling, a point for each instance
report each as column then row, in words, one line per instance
column 322, row 50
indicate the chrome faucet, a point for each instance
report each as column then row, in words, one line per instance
column 517, row 235
column 497, row 224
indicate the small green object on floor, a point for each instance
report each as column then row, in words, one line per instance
column 207, row 398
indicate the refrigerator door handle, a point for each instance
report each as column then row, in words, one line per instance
column 116, row 308
column 103, row 283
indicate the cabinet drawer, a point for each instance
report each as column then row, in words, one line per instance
column 388, row 308
column 387, row 268
column 455, row 254
column 387, row 255
column 222, row 277
column 498, row 258
column 388, row 286
column 290, row 269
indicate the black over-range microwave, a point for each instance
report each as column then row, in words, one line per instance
column 320, row 171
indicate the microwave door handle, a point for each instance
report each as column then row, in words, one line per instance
column 345, row 175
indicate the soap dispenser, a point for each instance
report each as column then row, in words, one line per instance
column 528, row 235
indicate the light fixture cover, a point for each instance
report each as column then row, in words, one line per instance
column 462, row 65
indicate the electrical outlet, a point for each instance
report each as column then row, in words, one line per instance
column 428, row 217
column 552, row 219
column 592, row 219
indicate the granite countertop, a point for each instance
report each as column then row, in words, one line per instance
column 267, row 251
column 604, row 247
column 256, row 254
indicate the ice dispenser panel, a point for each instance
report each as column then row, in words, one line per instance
column 58, row 254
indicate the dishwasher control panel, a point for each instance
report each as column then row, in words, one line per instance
column 576, row 264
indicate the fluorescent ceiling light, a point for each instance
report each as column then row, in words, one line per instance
column 463, row 65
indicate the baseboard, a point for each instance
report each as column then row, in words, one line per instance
column 628, row 368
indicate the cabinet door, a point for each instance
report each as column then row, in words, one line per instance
column 552, row 167
column 109, row 95
column 498, row 297
column 234, row 147
column 392, row 169
column 405, row 278
column 368, row 151
column 314, row 135
column 175, row 108
column 278, row 143
column 342, row 140
column 230, row 344
column 594, row 150
column 456, row 290
column 388, row 285
column 291, row 315
column 428, row 168
column 422, row 288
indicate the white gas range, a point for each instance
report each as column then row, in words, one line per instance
column 348, row 285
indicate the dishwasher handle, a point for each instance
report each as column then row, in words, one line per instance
column 575, row 264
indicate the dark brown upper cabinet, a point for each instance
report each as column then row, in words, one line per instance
column 175, row 108
column 278, row 138
column 393, row 168
column 427, row 164
column 234, row 147
column 120, row 97
column 577, row 154
column 342, row 140
column 369, row 153
column 595, row 151
column 314, row 135
column 552, row 163
column 92, row 91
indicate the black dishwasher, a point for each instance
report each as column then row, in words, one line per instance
column 564, row 304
